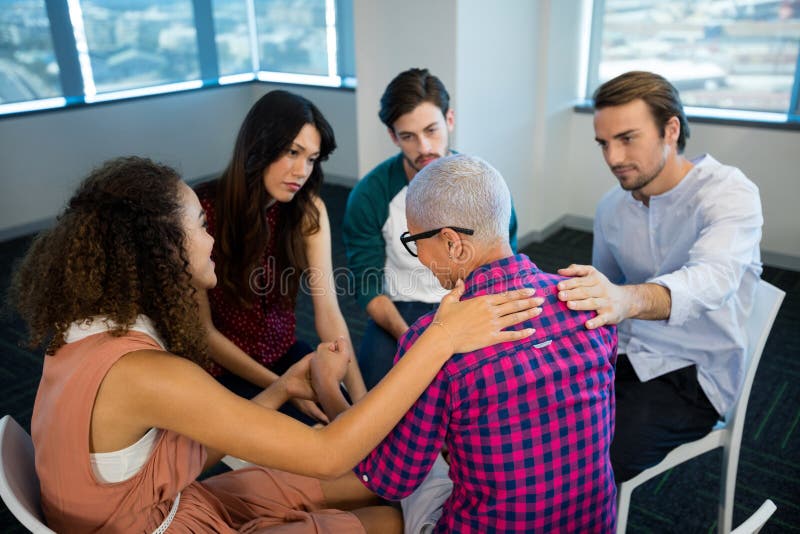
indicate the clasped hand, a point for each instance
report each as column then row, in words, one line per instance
column 330, row 361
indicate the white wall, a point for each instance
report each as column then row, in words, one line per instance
column 391, row 37
column 43, row 156
column 516, row 81
column 498, row 94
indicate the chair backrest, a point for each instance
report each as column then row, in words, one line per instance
column 757, row 520
column 19, row 485
column 766, row 303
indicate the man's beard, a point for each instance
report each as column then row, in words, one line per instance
column 418, row 166
column 643, row 180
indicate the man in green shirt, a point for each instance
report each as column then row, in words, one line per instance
column 391, row 284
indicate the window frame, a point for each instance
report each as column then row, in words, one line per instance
column 789, row 120
column 72, row 58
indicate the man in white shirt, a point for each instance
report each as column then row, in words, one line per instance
column 676, row 263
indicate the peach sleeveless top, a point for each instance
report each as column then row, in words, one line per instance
column 73, row 500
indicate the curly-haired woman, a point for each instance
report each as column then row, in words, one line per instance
column 125, row 419
column 271, row 227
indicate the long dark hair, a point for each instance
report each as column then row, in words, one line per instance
column 117, row 250
column 242, row 233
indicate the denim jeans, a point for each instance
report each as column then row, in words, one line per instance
column 654, row 417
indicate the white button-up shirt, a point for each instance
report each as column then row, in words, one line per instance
column 700, row 240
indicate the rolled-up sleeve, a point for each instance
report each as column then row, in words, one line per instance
column 720, row 256
column 403, row 459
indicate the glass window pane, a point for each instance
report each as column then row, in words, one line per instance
column 28, row 66
column 140, row 43
column 719, row 54
column 233, row 37
column 292, row 36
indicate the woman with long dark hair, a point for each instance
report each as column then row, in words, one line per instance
column 125, row 419
column 271, row 229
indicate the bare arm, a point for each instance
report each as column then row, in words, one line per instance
column 328, row 318
column 227, row 354
column 383, row 311
column 591, row 290
column 329, row 362
column 329, row 358
column 155, row 389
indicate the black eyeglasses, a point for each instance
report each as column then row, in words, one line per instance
column 410, row 241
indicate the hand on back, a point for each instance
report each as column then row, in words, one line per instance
column 480, row 322
column 589, row 289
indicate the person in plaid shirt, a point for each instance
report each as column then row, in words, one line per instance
column 527, row 424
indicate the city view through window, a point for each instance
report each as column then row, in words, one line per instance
column 233, row 37
column 292, row 36
column 734, row 54
column 137, row 43
column 134, row 44
column 28, row 68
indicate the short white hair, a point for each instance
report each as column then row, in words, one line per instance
column 464, row 191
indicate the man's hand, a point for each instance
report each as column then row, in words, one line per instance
column 329, row 365
column 591, row 290
column 330, row 361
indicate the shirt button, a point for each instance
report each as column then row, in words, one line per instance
column 365, row 478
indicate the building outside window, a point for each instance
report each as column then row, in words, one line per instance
column 740, row 55
column 293, row 36
column 140, row 43
column 233, row 37
column 28, row 66
column 63, row 52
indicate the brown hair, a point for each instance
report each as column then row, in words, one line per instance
column 241, row 229
column 408, row 90
column 116, row 251
column 660, row 96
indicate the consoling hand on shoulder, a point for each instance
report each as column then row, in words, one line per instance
column 482, row 321
column 589, row 289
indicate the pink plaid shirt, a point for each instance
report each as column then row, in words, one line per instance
column 528, row 425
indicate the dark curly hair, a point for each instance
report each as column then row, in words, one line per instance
column 116, row 251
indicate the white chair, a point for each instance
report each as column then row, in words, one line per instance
column 726, row 434
column 756, row 521
column 235, row 463
column 19, row 485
